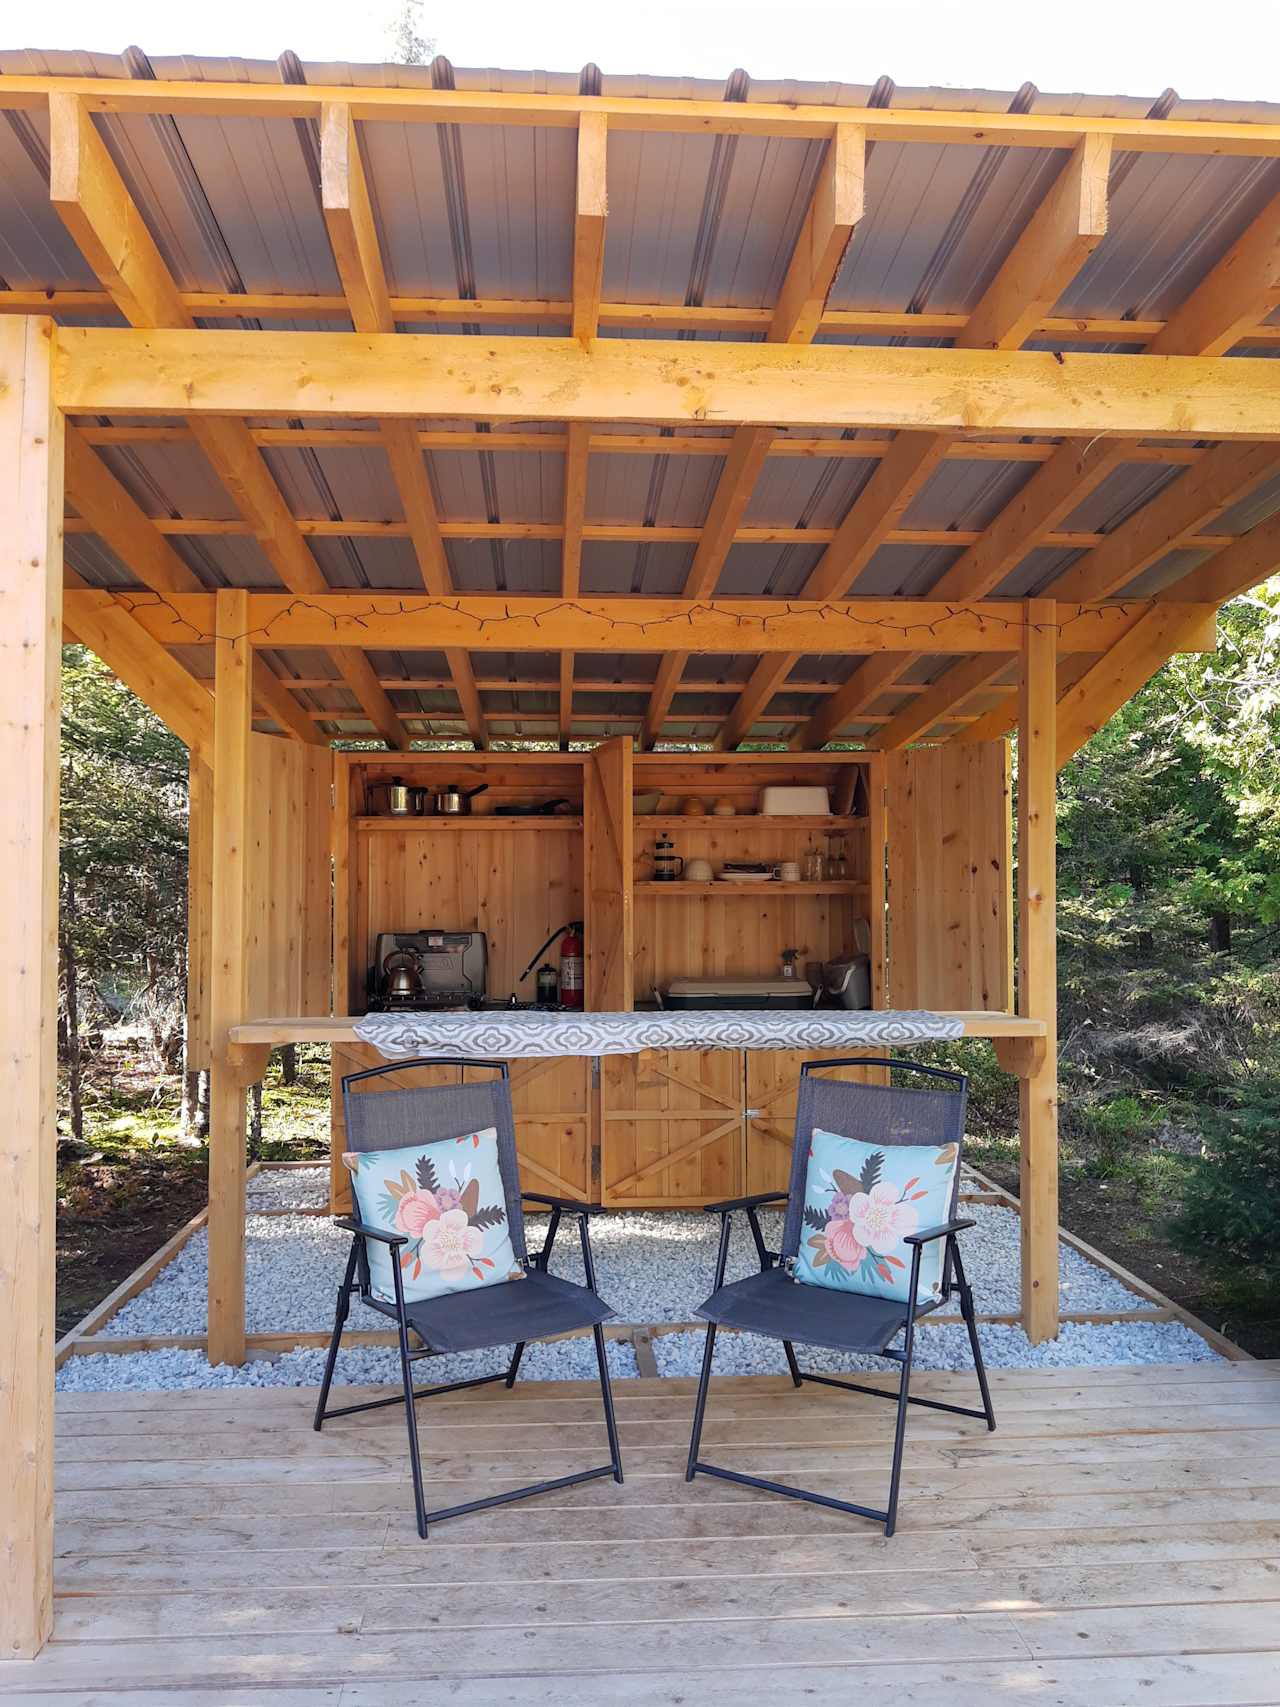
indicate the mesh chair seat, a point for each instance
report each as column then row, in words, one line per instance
column 772, row 1303
column 506, row 1314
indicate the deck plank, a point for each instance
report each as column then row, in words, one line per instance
column 1116, row 1541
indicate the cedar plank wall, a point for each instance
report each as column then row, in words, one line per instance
column 288, row 942
column 950, row 898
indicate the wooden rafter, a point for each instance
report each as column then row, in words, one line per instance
column 591, row 212
column 631, row 624
column 145, row 667
column 921, row 713
column 575, row 505
column 348, row 214
column 1233, row 298
column 385, row 102
column 1056, row 241
column 107, row 507
column 93, row 202
column 834, row 210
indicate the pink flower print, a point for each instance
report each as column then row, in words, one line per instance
column 414, row 1211
column 878, row 1219
column 449, row 1243
column 842, row 1244
column 448, row 1198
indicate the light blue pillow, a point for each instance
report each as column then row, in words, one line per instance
column 860, row 1203
column 447, row 1199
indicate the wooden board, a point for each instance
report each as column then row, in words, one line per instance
column 950, row 936
column 671, row 1127
column 287, row 944
column 1113, row 1542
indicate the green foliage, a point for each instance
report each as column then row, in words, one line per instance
column 1231, row 1202
column 124, row 853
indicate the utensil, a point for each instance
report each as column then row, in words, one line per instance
column 454, row 802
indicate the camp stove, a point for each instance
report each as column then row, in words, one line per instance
column 422, row 971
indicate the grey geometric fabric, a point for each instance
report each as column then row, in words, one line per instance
column 510, row 1034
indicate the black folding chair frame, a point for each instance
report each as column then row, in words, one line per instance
column 954, row 1281
column 356, row 1281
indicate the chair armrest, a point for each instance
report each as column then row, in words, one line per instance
column 931, row 1233
column 352, row 1226
column 732, row 1203
column 569, row 1205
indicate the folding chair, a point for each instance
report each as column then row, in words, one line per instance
column 773, row 1304
column 511, row 1312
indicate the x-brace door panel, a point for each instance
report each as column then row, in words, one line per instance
column 671, row 1128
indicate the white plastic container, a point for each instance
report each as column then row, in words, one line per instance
column 787, row 800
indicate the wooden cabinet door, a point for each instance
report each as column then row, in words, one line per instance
column 671, row 1128
column 773, row 1081
column 550, row 1102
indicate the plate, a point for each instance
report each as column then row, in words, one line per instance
column 746, row 877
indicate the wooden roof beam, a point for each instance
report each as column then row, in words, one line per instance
column 1058, row 238
column 575, row 508
column 145, row 667
column 353, row 235
column 109, row 509
column 96, row 207
column 414, row 105
column 941, row 698
column 1234, row 297
column 627, row 624
column 590, row 215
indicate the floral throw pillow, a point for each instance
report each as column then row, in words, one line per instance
column 447, row 1199
column 860, row 1203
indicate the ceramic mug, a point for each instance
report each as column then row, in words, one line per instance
column 788, row 871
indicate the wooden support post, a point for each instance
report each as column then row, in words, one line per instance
column 233, row 723
column 30, row 649
column 1038, row 967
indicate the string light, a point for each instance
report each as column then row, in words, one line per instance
column 914, row 634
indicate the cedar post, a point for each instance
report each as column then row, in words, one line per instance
column 1038, row 966
column 232, row 726
column 31, row 498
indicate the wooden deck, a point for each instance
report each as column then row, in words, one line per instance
column 1116, row 1541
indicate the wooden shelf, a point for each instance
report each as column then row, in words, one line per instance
column 770, row 887
column 747, row 821
column 494, row 821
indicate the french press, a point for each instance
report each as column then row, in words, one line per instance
column 667, row 864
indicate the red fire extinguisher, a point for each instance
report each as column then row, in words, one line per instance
column 573, row 978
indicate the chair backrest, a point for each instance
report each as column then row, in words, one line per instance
column 878, row 1114
column 389, row 1120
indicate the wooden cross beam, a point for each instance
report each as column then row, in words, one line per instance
column 106, row 371
column 798, row 122
column 491, row 623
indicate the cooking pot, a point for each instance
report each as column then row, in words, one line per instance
column 400, row 799
column 454, row 802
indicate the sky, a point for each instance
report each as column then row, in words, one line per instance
column 1202, row 48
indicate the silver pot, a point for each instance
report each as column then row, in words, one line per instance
column 455, row 802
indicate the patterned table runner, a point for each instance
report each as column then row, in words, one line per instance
column 508, row 1034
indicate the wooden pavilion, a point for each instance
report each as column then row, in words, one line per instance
column 574, row 420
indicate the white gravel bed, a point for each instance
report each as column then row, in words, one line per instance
column 651, row 1266
column 360, row 1366
column 289, row 1188
column 1078, row 1346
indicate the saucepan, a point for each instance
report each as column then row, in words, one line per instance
column 454, row 802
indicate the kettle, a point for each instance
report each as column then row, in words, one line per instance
column 402, row 982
